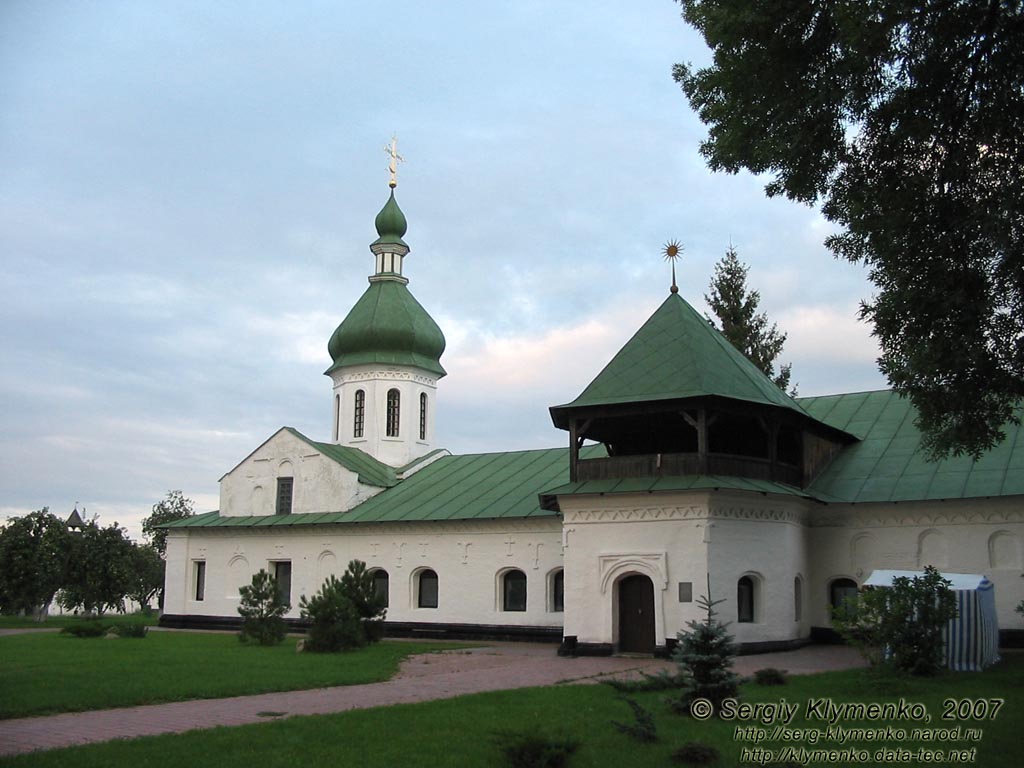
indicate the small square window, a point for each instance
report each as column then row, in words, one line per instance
column 685, row 591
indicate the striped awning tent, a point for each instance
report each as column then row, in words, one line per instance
column 972, row 638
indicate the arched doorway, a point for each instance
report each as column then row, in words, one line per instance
column 636, row 614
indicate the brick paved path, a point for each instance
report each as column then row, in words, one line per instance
column 500, row 666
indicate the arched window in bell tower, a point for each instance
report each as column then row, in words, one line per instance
column 394, row 404
column 423, row 415
column 359, row 414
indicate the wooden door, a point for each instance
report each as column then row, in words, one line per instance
column 636, row 614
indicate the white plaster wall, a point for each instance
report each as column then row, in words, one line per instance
column 610, row 537
column 320, row 484
column 674, row 538
column 764, row 538
column 375, row 381
column 964, row 536
column 467, row 557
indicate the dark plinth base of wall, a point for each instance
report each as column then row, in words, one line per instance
column 420, row 630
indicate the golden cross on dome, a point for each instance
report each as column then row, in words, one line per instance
column 396, row 158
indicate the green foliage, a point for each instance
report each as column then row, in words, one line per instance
column 262, row 610
column 901, row 626
column 529, row 749
column 346, row 613
column 100, row 569
column 1020, row 608
column 740, row 322
column 903, row 121
column 662, row 681
column 643, row 728
column 147, row 576
column 335, row 624
column 696, row 753
column 33, row 562
column 132, row 630
column 174, row 507
column 705, row 655
column 86, row 629
column 770, row 676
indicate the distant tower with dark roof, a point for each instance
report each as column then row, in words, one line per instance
column 386, row 358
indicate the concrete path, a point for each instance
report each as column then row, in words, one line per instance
column 500, row 666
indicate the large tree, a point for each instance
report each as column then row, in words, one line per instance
column 175, row 507
column 100, row 570
column 34, row 552
column 903, row 121
column 147, row 575
column 748, row 330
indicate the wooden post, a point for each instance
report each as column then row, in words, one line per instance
column 574, row 452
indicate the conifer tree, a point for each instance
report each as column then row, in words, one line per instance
column 262, row 609
column 739, row 321
column 705, row 655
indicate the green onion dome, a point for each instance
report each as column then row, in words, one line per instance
column 390, row 223
column 388, row 326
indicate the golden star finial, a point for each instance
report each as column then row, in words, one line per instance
column 673, row 250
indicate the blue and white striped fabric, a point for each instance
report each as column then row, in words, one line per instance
column 972, row 639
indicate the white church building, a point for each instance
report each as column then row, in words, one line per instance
column 685, row 467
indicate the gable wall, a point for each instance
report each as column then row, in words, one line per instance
column 320, row 484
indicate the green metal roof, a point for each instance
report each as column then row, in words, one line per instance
column 472, row 487
column 388, row 326
column 390, row 224
column 889, row 464
column 677, row 354
column 369, row 470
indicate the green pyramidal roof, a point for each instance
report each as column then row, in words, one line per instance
column 387, row 325
column 677, row 354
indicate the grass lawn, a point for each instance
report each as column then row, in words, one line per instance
column 49, row 672
column 59, row 622
column 457, row 732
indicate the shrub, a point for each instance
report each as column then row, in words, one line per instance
column 696, row 753
column 86, row 629
column 535, row 750
column 262, row 609
column 705, row 655
column 335, row 624
column 770, row 676
column 901, row 626
column 346, row 613
column 127, row 629
column 642, row 728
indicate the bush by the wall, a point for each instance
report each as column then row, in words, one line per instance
column 262, row 609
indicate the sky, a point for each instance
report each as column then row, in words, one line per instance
column 187, row 196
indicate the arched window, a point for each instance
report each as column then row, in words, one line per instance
column 798, row 599
column 359, row 414
column 423, row 415
column 337, row 415
column 426, row 589
column 745, row 600
column 394, row 403
column 513, row 591
column 558, row 591
column 380, row 585
column 841, row 590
